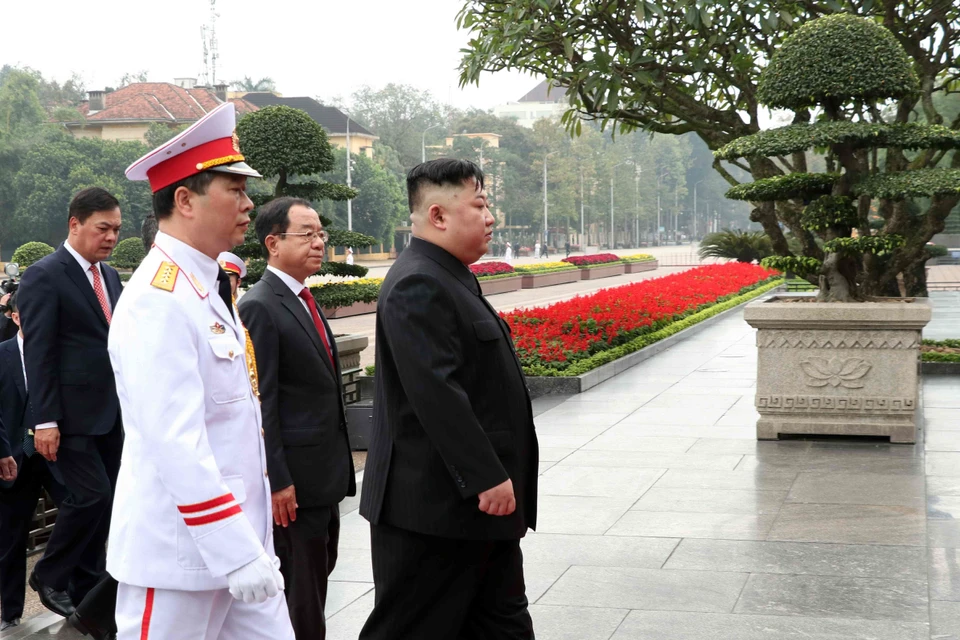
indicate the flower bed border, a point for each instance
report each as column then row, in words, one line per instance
column 493, row 286
column 605, row 270
column 641, row 266
column 643, row 347
column 550, row 278
column 355, row 309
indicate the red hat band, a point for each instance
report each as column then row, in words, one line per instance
column 230, row 267
column 193, row 161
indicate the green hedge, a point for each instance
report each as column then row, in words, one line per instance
column 792, row 185
column 128, row 254
column 27, row 254
column 918, row 183
column 530, row 270
column 936, row 356
column 499, row 276
column 605, row 357
column 602, row 264
column 344, row 294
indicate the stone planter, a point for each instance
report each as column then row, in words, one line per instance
column 615, row 269
column 537, row 280
column 500, row 285
column 838, row 368
column 639, row 267
column 349, row 347
column 355, row 309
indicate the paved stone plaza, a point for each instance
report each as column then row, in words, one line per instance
column 661, row 516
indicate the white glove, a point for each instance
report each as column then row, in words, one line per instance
column 256, row 581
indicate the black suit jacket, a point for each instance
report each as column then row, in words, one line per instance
column 452, row 416
column 65, row 345
column 15, row 412
column 301, row 398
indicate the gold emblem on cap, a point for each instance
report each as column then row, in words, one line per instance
column 236, row 141
column 199, row 166
column 217, row 329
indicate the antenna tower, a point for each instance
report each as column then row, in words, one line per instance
column 211, row 55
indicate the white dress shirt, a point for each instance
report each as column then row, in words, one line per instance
column 23, row 363
column 296, row 286
column 85, row 265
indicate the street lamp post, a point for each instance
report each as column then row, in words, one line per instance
column 613, row 231
column 581, row 209
column 423, row 142
column 546, row 231
column 349, row 182
column 660, row 177
column 695, row 210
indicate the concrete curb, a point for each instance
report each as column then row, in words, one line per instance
column 546, row 385
column 940, row 368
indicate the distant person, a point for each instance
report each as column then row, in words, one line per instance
column 349, row 255
column 566, row 247
column 508, row 253
column 450, row 484
column 236, row 271
column 543, row 251
column 536, row 250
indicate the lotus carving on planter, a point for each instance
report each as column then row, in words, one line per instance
column 835, row 372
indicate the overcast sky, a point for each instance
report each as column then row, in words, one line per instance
column 327, row 48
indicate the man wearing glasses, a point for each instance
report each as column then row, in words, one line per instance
column 308, row 452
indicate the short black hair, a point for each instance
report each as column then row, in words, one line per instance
column 148, row 231
column 274, row 217
column 12, row 303
column 163, row 199
column 440, row 172
column 88, row 201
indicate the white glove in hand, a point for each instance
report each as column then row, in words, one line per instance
column 256, row 581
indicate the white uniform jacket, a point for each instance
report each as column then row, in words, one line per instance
column 193, row 500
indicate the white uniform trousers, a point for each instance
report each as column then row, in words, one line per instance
column 162, row 614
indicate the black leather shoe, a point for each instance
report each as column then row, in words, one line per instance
column 9, row 624
column 90, row 628
column 57, row 601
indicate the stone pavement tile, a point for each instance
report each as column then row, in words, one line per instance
column 943, row 507
column 616, row 389
column 711, row 501
column 564, row 480
column 618, row 405
column 596, row 550
column 677, row 524
column 943, row 485
column 554, row 454
column 661, row 625
column 739, row 419
column 744, row 446
column 573, row 514
column 626, row 438
column 944, row 398
column 341, row 594
column 354, row 532
column 545, row 466
column 943, row 533
column 850, row 524
column 692, row 416
column 590, row 421
column 944, row 573
column 696, row 389
column 747, row 556
column 867, row 488
column 563, row 441
column 677, row 400
column 940, row 419
column 683, row 431
column 575, row 623
column 833, row 462
column 540, row 576
column 353, row 565
column 942, row 441
column 858, row 449
column 44, row 626
column 347, row 623
column 945, row 620
column 633, row 588
column 760, row 480
column 650, row 459
column 835, row 597
column 943, row 463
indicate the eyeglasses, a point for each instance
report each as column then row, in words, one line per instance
column 309, row 236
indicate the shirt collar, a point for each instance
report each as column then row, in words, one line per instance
column 201, row 270
column 20, row 344
column 84, row 263
column 295, row 285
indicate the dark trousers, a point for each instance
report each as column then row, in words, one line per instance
column 99, row 607
column 75, row 559
column 430, row 587
column 308, row 553
column 17, row 505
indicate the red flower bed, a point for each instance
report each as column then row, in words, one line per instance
column 562, row 333
column 481, row 269
column 597, row 258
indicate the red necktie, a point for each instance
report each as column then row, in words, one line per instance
column 312, row 305
column 101, row 295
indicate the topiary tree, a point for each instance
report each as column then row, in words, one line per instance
column 844, row 66
column 128, row 254
column 742, row 246
column 27, row 254
column 287, row 144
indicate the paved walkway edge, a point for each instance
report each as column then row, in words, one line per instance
column 558, row 385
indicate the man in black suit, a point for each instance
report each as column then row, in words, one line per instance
column 66, row 302
column 450, row 484
column 32, row 475
column 301, row 401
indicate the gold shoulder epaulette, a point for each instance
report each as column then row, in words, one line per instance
column 166, row 277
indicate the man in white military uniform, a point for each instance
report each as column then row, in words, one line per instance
column 191, row 537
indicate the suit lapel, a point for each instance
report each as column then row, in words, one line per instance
column 15, row 364
column 75, row 273
column 112, row 281
column 293, row 304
